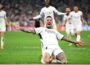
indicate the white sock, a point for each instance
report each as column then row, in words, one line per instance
column 78, row 38
column 2, row 42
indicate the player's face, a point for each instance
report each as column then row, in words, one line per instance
column 47, row 2
column 49, row 22
column 75, row 8
column 68, row 10
column 1, row 6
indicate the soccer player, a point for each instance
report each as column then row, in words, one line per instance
column 48, row 11
column 49, row 38
column 77, row 20
column 68, row 24
column 3, row 21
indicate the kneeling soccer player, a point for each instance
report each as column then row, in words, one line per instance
column 49, row 38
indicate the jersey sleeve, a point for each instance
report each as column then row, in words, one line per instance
column 40, row 15
column 38, row 30
column 81, row 13
column 59, row 35
column 57, row 12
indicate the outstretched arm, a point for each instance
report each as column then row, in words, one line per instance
column 33, row 30
column 27, row 31
column 74, row 42
column 37, row 17
column 62, row 37
column 58, row 13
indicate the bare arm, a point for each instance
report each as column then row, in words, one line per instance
column 37, row 17
column 58, row 13
column 74, row 42
column 33, row 30
column 28, row 31
column 68, row 40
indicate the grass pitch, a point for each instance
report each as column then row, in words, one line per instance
column 24, row 48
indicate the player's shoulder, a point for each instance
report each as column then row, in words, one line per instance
column 72, row 12
column 43, row 8
column 80, row 11
column 42, row 28
column 3, row 12
column 52, row 7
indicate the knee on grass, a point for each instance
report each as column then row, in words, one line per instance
column 61, row 57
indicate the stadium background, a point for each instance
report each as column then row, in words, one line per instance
column 19, row 12
column 23, row 48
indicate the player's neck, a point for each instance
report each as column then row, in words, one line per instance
column 47, row 6
column 76, row 11
column 67, row 14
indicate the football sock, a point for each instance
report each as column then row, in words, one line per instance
column 78, row 38
column 2, row 42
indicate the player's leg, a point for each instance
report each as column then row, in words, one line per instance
column 46, row 56
column 78, row 36
column 78, row 31
column 60, row 56
column 2, row 33
column 2, row 39
column 72, row 31
column 68, row 32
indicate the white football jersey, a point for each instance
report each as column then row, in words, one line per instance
column 48, row 11
column 49, row 36
column 76, row 16
column 2, row 17
column 67, row 19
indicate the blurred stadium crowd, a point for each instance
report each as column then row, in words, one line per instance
column 22, row 10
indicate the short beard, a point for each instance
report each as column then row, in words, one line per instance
column 49, row 27
column 67, row 14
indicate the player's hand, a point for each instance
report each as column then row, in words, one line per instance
column 80, row 44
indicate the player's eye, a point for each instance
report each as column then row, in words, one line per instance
column 47, row 20
column 50, row 20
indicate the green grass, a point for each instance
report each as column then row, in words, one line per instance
column 24, row 48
